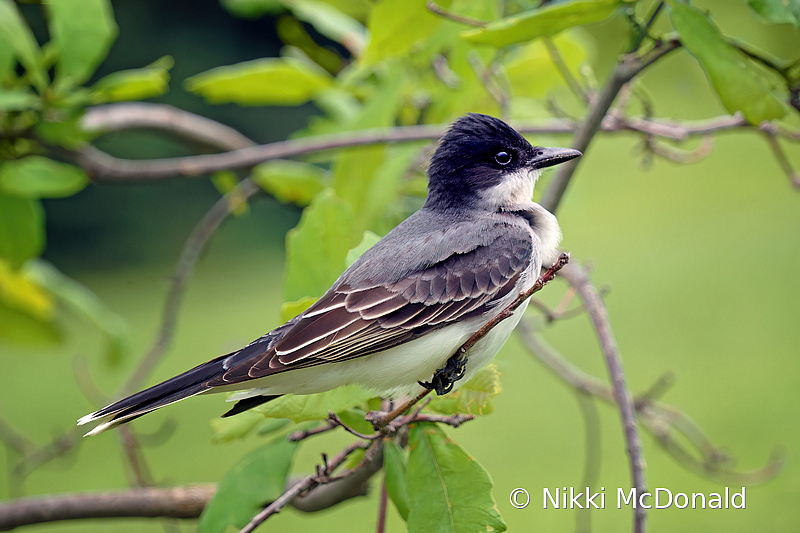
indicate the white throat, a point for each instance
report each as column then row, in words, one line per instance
column 516, row 189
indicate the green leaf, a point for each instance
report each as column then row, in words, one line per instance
column 15, row 32
column 367, row 241
column 531, row 71
column 36, row 176
column 252, row 8
column 396, row 27
column 448, row 490
column 17, row 99
column 259, row 477
column 740, row 86
column 133, row 84
column 82, row 31
column 547, row 21
column 396, row 464
column 317, row 247
column 474, row 396
column 777, row 11
column 18, row 291
column 67, row 132
column 289, row 310
column 330, row 22
column 271, row 81
column 243, row 425
column 302, row 407
column 84, row 303
column 21, row 229
column 290, row 181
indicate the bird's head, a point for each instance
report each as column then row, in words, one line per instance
column 483, row 162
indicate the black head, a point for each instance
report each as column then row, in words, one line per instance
column 479, row 152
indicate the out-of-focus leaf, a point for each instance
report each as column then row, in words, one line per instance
column 330, row 22
column 253, row 9
column 21, row 229
column 448, row 490
column 35, row 176
column 86, row 304
column 474, row 396
column 243, row 425
column 67, row 132
column 19, row 291
column 133, row 84
column 531, row 70
column 740, row 86
column 397, row 26
column 396, row 463
column 289, row 310
column 17, row 99
column 547, row 21
column 302, row 407
column 367, row 241
column 20, row 327
column 259, row 477
column 271, row 81
column 14, row 32
column 777, row 11
column 317, row 247
column 225, row 181
column 355, row 419
column 7, row 59
column 82, row 31
column 290, row 181
column 358, row 175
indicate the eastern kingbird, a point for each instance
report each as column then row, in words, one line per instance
column 395, row 317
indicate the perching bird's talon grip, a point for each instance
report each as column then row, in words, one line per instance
column 444, row 378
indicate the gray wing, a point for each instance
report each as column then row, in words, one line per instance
column 360, row 315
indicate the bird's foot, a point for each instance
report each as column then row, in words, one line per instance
column 444, row 378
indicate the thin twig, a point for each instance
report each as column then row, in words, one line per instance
column 770, row 132
column 563, row 69
column 599, row 316
column 658, row 418
column 106, row 168
column 192, row 249
column 628, row 67
column 321, row 477
column 380, row 526
column 381, row 420
column 182, row 124
column 433, row 7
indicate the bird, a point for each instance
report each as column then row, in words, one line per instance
column 395, row 319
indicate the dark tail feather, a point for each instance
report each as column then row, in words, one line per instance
column 190, row 383
column 248, row 403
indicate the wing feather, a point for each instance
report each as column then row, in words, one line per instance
column 358, row 318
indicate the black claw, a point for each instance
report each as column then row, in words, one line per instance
column 444, row 378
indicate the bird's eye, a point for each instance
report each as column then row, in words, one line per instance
column 502, row 157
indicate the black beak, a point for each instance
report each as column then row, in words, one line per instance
column 547, row 157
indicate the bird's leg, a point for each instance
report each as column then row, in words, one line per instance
column 444, row 378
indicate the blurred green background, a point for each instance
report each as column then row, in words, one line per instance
column 702, row 262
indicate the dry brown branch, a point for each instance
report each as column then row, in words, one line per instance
column 628, row 67
column 600, row 320
column 323, row 476
column 182, row 124
column 106, row 168
column 175, row 502
column 669, row 425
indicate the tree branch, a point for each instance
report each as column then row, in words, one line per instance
column 175, row 502
column 109, row 169
column 599, row 316
column 628, row 67
column 657, row 417
column 144, row 115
